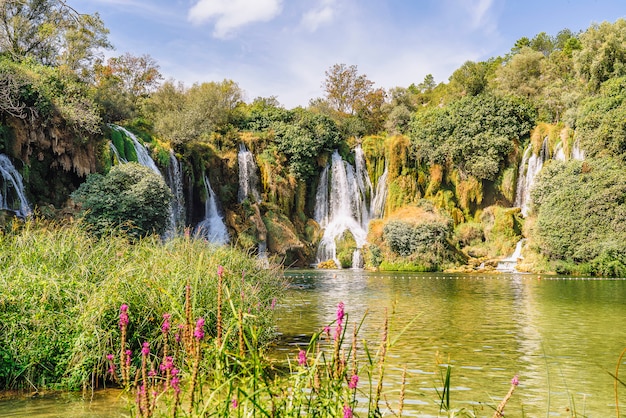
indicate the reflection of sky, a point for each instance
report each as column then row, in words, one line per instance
column 560, row 336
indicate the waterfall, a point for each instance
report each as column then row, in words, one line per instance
column 530, row 166
column 176, row 216
column 174, row 180
column 248, row 178
column 12, row 196
column 559, row 153
column 357, row 259
column 212, row 227
column 117, row 154
column 577, row 153
column 341, row 205
column 380, row 197
column 509, row 263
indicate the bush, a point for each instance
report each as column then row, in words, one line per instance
column 130, row 196
column 581, row 214
column 405, row 239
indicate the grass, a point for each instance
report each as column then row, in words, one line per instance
column 61, row 288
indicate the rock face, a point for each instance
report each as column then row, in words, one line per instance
column 69, row 153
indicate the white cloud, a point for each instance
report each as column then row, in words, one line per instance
column 322, row 14
column 480, row 13
column 229, row 15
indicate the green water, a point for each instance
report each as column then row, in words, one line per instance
column 562, row 337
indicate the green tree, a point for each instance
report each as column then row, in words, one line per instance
column 183, row 115
column 131, row 197
column 346, row 89
column 602, row 54
column 50, row 32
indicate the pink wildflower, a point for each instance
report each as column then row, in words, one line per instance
column 165, row 328
column 515, row 381
column 234, row 403
column 340, row 313
column 354, row 381
column 273, row 304
column 302, row 358
column 128, row 354
column 347, row 412
column 123, row 316
column 199, row 331
column 220, row 270
column 145, row 349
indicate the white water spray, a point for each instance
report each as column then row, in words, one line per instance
column 12, row 195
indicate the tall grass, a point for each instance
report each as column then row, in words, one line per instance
column 61, row 289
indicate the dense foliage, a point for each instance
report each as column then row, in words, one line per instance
column 593, row 195
column 130, row 196
column 61, row 289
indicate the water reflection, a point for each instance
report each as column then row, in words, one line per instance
column 560, row 336
column 109, row 403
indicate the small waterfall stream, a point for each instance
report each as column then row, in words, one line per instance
column 12, row 196
column 342, row 205
column 530, row 166
column 508, row 264
column 377, row 209
column 174, row 179
column 212, row 227
column 248, row 177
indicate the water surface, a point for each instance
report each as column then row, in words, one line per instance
column 561, row 336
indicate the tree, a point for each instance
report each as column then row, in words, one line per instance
column 138, row 75
column 131, row 197
column 603, row 53
column 521, row 76
column 50, row 32
column 345, row 89
column 183, row 115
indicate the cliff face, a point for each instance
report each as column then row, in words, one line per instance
column 55, row 159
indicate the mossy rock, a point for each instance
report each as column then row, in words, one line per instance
column 281, row 234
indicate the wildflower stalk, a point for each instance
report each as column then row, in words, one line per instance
column 124, row 368
column 381, row 361
column 188, row 315
column 402, row 392
column 220, row 272
column 241, row 342
column 500, row 408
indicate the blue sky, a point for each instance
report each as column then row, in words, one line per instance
column 283, row 47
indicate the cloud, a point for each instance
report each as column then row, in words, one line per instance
column 229, row 15
column 323, row 13
column 480, row 13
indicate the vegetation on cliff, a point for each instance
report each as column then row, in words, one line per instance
column 457, row 145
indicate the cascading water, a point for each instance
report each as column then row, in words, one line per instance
column 509, row 264
column 174, row 180
column 248, row 178
column 341, row 206
column 212, row 227
column 377, row 209
column 577, row 153
column 532, row 164
column 529, row 168
column 12, row 196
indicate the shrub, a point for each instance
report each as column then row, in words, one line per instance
column 130, row 196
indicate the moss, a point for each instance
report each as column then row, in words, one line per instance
column 346, row 244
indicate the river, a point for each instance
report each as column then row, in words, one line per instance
column 561, row 336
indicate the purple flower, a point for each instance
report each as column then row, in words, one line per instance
column 123, row 316
column 145, row 349
column 234, row 403
column 327, row 330
column 347, row 412
column 220, row 270
column 273, row 304
column 110, row 357
column 302, row 358
column 128, row 354
column 168, row 364
column 165, row 328
column 515, row 381
column 354, row 381
column 340, row 313
column 199, row 331
column 175, row 382
column 152, row 373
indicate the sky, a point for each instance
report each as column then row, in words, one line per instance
column 283, row 48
